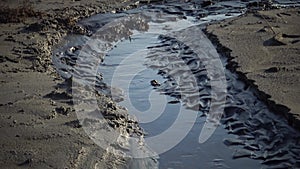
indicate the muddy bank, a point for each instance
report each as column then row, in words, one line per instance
column 39, row 128
column 265, row 46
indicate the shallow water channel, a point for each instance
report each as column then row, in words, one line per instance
column 183, row 128
column 157, row 112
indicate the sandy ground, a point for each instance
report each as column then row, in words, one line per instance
column 266, row 47
column 38, row 126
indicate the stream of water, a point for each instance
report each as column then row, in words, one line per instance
column 163, row 45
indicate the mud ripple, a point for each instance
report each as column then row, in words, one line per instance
column 260, row 134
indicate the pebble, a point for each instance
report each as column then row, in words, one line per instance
column 154, row 83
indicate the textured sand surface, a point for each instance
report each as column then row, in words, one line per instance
column 266, row 47
column 38, row 125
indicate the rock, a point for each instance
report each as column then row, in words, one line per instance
column 154, row 83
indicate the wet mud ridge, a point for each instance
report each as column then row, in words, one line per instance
column 255, row 132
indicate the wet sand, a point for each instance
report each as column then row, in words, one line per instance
column 39, row 128
column 265, row 47
column 38, row 125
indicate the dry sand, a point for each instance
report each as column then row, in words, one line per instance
column 38, row 126
column 266, row 47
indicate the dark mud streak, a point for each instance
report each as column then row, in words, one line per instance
column 232, row 66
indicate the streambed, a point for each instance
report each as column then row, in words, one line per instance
column 165, row 43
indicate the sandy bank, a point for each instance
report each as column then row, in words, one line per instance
column 38, row 125
column 266, row 47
